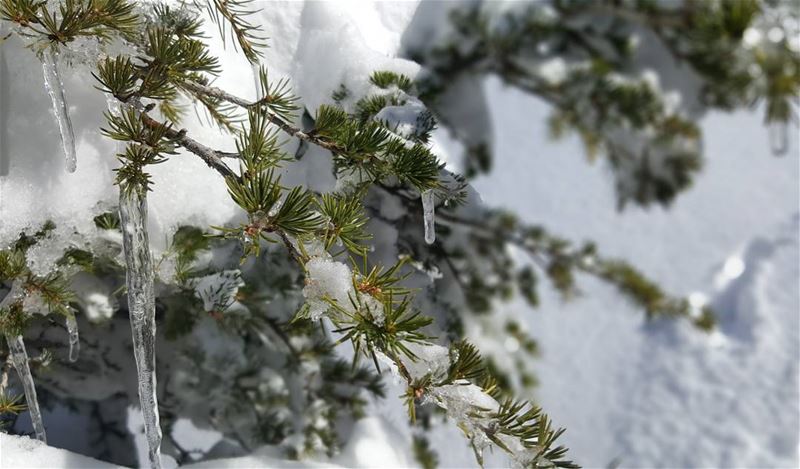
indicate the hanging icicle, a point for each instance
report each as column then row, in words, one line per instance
column 779, row 137
column 428, row 216
column 141, row 308
column 5, row 79
column 256, row 68
column 19, row 357
column 55, row 88
column 74, row 343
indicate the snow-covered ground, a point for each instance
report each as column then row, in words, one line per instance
column 664, row 394
column 659, row 394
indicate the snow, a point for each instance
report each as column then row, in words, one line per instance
column 664, row 394
column 23, row 452
column 371, row 445
column 327, row 279
column 646, row 394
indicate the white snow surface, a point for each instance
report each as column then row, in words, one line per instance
column 663, row 394
column 373, row 444
column 646, row 395
column 21, row 451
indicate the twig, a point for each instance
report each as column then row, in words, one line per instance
column 272, row 117
column 211, row 157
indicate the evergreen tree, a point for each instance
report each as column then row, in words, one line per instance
column 251, row 311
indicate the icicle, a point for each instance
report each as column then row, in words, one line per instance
column 19, row 357
column 74, row 344
column 779, row 137
column 427, row 214
column 256, row 68
column 5, row 159
column 55, row 88
column 141, row 307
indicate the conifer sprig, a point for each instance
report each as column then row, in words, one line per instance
column 380, row 318
column 231, row 16
column 99, row 19
column 277, row 96
column 368, row 149
column 560, row 260
column 345, row 222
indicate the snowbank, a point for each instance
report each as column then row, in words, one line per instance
column 371, row 445
column 21, row 451
column 662, row 394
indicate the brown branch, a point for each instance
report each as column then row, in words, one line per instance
column 212, row 158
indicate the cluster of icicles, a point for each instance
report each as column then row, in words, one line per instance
column 139, row 275
column 19, row 355
column 139, row 279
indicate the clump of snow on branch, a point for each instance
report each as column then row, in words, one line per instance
column 327, row 281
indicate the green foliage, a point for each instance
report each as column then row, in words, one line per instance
column 345, row 222
column 98, row 19
column 295, row 215
column 25, row 240
column 528, row 424
column 386, row 79
column 187, row 242
column 255, row 192
column 12, row 264
column 648, row 295
column 13, row 319
column 148, row 144
column 401, row 325
column 599, row 98
column 379, row 282
column 181, row 22
column 231, row 17
column 107, row 221
column 173, row 64
column 258, row 146
column 54, row 290
column 119, row 78
column 277, row 97
column 10, row 405
column 469, row 364
column 370, row 151
column 423, row 453
column 551, row 256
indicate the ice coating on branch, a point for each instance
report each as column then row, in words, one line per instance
column 430, row 359
column 470, row 407
column 218, row 290
column 141, row 307
column 428, row 215
column 74, row 343
column 19, row 357
column 327, row 279
column 779, row 137
column 55, row 88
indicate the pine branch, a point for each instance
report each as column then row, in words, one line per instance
column 232, row 14
column 254, row 105
column 210, row 156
